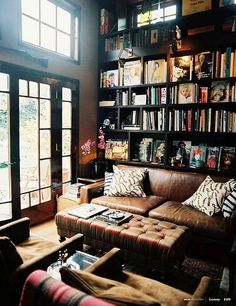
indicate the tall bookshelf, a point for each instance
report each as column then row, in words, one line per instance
column 145, row 115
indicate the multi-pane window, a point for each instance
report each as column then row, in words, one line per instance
column 156, row 12
column 49, row 26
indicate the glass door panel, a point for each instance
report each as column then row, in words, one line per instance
column 5, row 162
column 35, row 143
column 66, row 137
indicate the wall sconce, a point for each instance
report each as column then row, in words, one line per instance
column 122, row 58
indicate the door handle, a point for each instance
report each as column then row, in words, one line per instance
column 6, row 164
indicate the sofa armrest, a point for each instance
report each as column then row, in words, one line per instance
column 90, row 191
column 17, row 231
column 201, row 292
column 109, row 265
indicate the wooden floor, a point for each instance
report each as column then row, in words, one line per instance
column 47, row 229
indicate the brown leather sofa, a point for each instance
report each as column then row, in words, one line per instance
column 211, row 237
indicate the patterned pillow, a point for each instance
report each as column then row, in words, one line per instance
column 127, row 183
column 107, row 182
column 229, row 204
column 210, row 195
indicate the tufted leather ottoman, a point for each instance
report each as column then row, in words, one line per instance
column 158, row 244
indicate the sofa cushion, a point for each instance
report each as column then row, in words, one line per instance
column 9, row 254
column 113, row 291
column 139, row 206
column 215, row 227
column 210, row 195
column 127, row 182
column 229, row 204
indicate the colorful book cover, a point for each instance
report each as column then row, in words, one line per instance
column 186, row 93
column 132, row 73
column 226, row 158
column 203, row 65
column 116, row 149
column 219, row 91
column 212, row 157
column 197, row 156
column 156, row 71
column 181, row 68
column 181, row 150
column 158, row 151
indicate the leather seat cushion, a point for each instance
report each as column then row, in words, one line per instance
column 214, row 227
column 140, row 206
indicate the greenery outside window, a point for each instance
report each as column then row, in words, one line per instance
column 50, row 26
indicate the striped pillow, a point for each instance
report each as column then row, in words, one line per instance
column 107, row 182
column 229, row 204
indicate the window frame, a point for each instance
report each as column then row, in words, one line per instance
column 75, row 40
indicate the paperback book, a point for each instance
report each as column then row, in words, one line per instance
column 203, row 65
column 212, row 158
column 158, row 151
column 146, row 150
column 197, row 156
column 181, row 68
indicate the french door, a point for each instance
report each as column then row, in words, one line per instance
column 37, row 141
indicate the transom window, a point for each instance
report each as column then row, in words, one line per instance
column 153, row 11
column 49, row 26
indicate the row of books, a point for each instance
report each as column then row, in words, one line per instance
column 182, row 68
column 217, row 91
column 207, row 64
column 138, row 38
column 202, row 120
column 202, row 155
column 154, row 120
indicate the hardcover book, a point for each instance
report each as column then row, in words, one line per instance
column 156, row 71
column 212, row 157
column 181, row 68
column 226, row 158
column 132, row 73
column 203, row 65
column 219, row 91
column 186, row 93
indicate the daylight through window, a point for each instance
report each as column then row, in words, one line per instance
column 50, row 26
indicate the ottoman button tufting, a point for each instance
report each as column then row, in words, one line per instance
column 158, row 229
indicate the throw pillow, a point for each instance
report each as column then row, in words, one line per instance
column 9, row 254
column 127, row 183
column 210, row 195
column 107, row 182
column 229, row 204
column 105, row 288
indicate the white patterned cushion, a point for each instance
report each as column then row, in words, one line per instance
column 107, row 182
column 127, row 183
column 210, row 195
column 229, row 204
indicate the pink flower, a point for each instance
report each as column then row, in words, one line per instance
column 87, row 147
